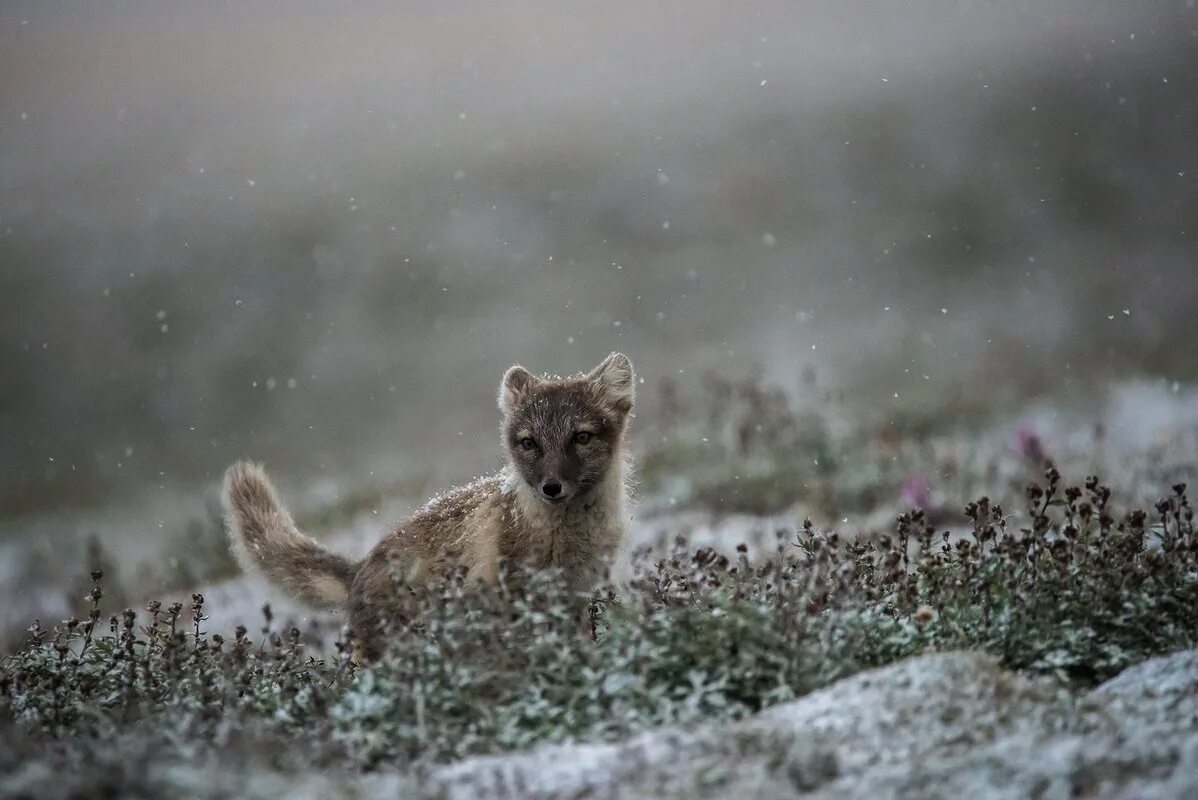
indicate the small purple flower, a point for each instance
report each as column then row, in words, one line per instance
column 915, row 492
column 1028, row 444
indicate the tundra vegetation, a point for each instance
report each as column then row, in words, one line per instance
column 1065, row 582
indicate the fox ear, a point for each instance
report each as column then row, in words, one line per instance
column 613, row 378
column 515, row 384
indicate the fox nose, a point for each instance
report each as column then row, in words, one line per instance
column 551, row 488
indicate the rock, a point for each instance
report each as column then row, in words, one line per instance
column 1158, row 691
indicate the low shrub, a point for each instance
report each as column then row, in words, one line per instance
column 1078, row 592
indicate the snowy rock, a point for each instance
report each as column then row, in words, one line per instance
column 1158, row 691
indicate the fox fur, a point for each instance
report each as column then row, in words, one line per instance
column 561, row 502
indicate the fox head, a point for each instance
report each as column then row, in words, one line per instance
column 563, row 435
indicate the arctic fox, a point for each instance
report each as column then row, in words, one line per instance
column 560, row 502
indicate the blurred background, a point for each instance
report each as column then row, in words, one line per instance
column 315, row 235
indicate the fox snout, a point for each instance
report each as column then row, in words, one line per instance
column 552, row 491
column 556, row 477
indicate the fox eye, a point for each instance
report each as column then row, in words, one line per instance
column 582, row 437
column 527, row 444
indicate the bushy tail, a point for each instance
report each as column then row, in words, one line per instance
column 264, row 537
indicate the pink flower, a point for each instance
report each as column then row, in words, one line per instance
column 915, row 492
column 1027, row 443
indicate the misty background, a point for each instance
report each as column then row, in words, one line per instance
column 316, row 234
